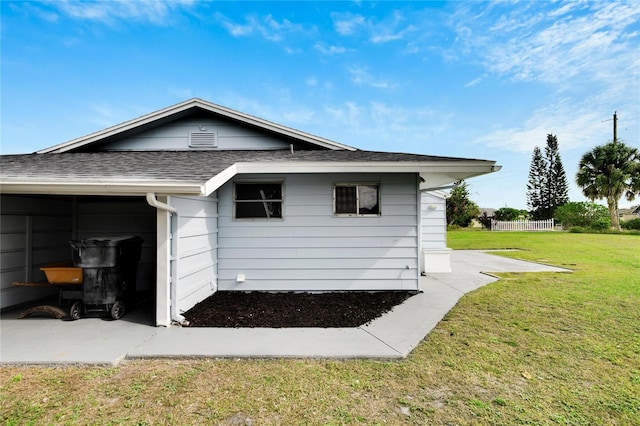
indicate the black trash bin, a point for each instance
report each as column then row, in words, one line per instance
column 109, row 266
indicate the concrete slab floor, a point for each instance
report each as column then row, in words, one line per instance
column 43, row 340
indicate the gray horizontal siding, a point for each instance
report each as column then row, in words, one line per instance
column 34, row 231
column 176, row 136
column 364, row 230
column 310, row 249
column 196, row 248
column 434, row 222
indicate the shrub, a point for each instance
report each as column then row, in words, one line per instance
column 485, row 220
column 577, row 230
column 601, row 224
column 582, row 214
column 631, row 224
column 509, row 214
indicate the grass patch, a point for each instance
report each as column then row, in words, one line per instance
column 537, row 348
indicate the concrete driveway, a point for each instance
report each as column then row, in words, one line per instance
column 43, row 340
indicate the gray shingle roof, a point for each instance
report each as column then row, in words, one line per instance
column 183, row 166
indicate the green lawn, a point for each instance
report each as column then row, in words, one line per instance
column 529, row 349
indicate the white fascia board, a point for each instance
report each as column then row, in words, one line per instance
column 435, row 174
column 99, row 188
column 433, row 170
column 269, row 125
column 471, row 168
column 118, row 128
column 220, row 179
column 186, row 105
column 439, row 193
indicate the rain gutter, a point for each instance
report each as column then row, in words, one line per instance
column 153, row 201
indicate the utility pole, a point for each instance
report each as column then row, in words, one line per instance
column 615, row 126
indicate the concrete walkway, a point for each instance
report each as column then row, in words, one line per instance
column 43, row 340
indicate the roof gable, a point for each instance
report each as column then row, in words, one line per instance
column 184, row 109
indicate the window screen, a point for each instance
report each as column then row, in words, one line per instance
column 258, row 200
column 359, row 200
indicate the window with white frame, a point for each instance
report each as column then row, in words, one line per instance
column 356, row 199
column 258, row 200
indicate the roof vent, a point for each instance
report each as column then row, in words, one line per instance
column 203, row 139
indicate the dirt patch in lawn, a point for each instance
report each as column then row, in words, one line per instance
column 281, row 310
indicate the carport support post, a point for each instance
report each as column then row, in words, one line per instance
column 163, row 272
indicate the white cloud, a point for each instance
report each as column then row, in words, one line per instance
column 584, row 56
column 330, row 50
column 347, row 23
column 157, row 12
column 105, row 114
column 299, row 116
column 570, row 123
column 476, row 81
column 555, row 48
column 293, row 51
column 267, row 26
column 391, row 28
column 381, row 126
column 28, row 8
column 361, row 76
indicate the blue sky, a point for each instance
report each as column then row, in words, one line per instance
column 476, row 79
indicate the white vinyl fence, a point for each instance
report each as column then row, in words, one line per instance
column 523, row 225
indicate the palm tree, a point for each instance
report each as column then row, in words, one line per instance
column 610, row 171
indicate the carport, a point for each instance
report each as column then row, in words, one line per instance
column 36, row 230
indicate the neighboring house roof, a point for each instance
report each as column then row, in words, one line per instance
column 202, row 172
column 182, row 110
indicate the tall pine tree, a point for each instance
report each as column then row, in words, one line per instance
column 557, row 185
column 537, row 176
column 548, row 187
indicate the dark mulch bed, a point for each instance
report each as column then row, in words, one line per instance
column 280, row 310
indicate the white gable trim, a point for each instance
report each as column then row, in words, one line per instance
column 185, row 106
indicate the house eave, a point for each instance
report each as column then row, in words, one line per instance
column 434, row 173
column 472, row 166
column 99, row 188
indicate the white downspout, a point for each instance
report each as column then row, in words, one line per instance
column 153, row 202
column 166, row 233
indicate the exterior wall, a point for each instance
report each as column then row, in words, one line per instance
column 434, row 221
column 196, row 250
column 34, row 231
column 120, row 217
column 433, row 233
column 175, row 136
column 310, row 249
